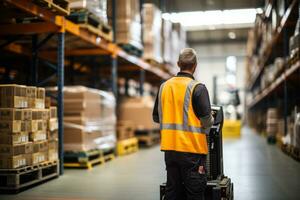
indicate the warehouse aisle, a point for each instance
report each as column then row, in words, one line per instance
column 259, row 172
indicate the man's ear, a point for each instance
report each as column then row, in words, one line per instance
column 178, row 64
column 195, row 66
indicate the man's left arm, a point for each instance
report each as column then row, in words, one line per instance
column 155, row 115
column 202, row 106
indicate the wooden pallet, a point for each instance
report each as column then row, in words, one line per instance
column 129, row 48
column 148, row 138
column 83, row 159
column 88, row 21
column 16, row 180
column 127, row 146
column 109, row 154
column 58, row 6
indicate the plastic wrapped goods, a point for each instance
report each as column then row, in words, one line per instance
column 128, row 22
column 152, row 21
column 97, row 7
column 89, row 119
column 166, row 40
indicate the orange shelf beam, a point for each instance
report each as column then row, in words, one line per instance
column 32, row 28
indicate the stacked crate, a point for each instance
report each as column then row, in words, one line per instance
column 24, row 125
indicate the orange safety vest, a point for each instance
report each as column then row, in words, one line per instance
column 181, row 130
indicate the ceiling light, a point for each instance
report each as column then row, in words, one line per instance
column 232, row 35
column 205, row 19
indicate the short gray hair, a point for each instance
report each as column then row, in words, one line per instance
column 187, row 58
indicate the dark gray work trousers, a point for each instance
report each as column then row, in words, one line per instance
column 184, row 182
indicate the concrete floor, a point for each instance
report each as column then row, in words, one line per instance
column 259, row 172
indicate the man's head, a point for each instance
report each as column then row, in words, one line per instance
column 187, row 60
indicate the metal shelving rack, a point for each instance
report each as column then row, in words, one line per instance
column 51, row 24
column 278, row 93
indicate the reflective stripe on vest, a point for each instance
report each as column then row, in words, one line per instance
column 184, row 126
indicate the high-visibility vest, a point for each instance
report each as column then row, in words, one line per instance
column 181, row 130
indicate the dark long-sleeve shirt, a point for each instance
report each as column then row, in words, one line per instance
column 200, row 101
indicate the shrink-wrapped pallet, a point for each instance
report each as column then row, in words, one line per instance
column 97, row 7
column 128, row 22
column 89, row 119
column 152, row 21
column 166, row 40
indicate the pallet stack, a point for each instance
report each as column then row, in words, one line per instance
column 89, row 126
column 91, row 15
column 152, row 22
column 131, row 109
column 128, row 25
column 28, row 135
column 127, row 143
column 272, row 125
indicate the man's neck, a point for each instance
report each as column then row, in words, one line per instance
column 188, row 72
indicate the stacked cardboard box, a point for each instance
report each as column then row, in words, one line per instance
column 128, row 22
column 152, row 22
column 272, row 122
column 132, row 108
column 125, row 129
column 89, row 119
column 24, row 123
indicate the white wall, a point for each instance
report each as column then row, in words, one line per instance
column 212, row 60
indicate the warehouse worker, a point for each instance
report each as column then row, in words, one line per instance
column 183, row 109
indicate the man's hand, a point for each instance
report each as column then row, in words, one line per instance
column 201, row 169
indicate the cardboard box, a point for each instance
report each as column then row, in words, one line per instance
column 14, row 150
column 47, row 102
column 12, row 162
column 53, row 112
column 37, row 125
column 8, row 114
column 14, row 138
column 52, row 154
column 39, row 114
column 51, row 135
column 31, row 92
column 13, row 96
column 11, row 126
column 79, row 140
column 52, row 124
column 40, row 93
column 53, row 144
column 125, row 129
column 39, row 157
column 12, row 90
column 39, row 103
column 38, row 136
column 40, row 146
column 13, row 102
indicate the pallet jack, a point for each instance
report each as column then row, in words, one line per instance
column 219, row 187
